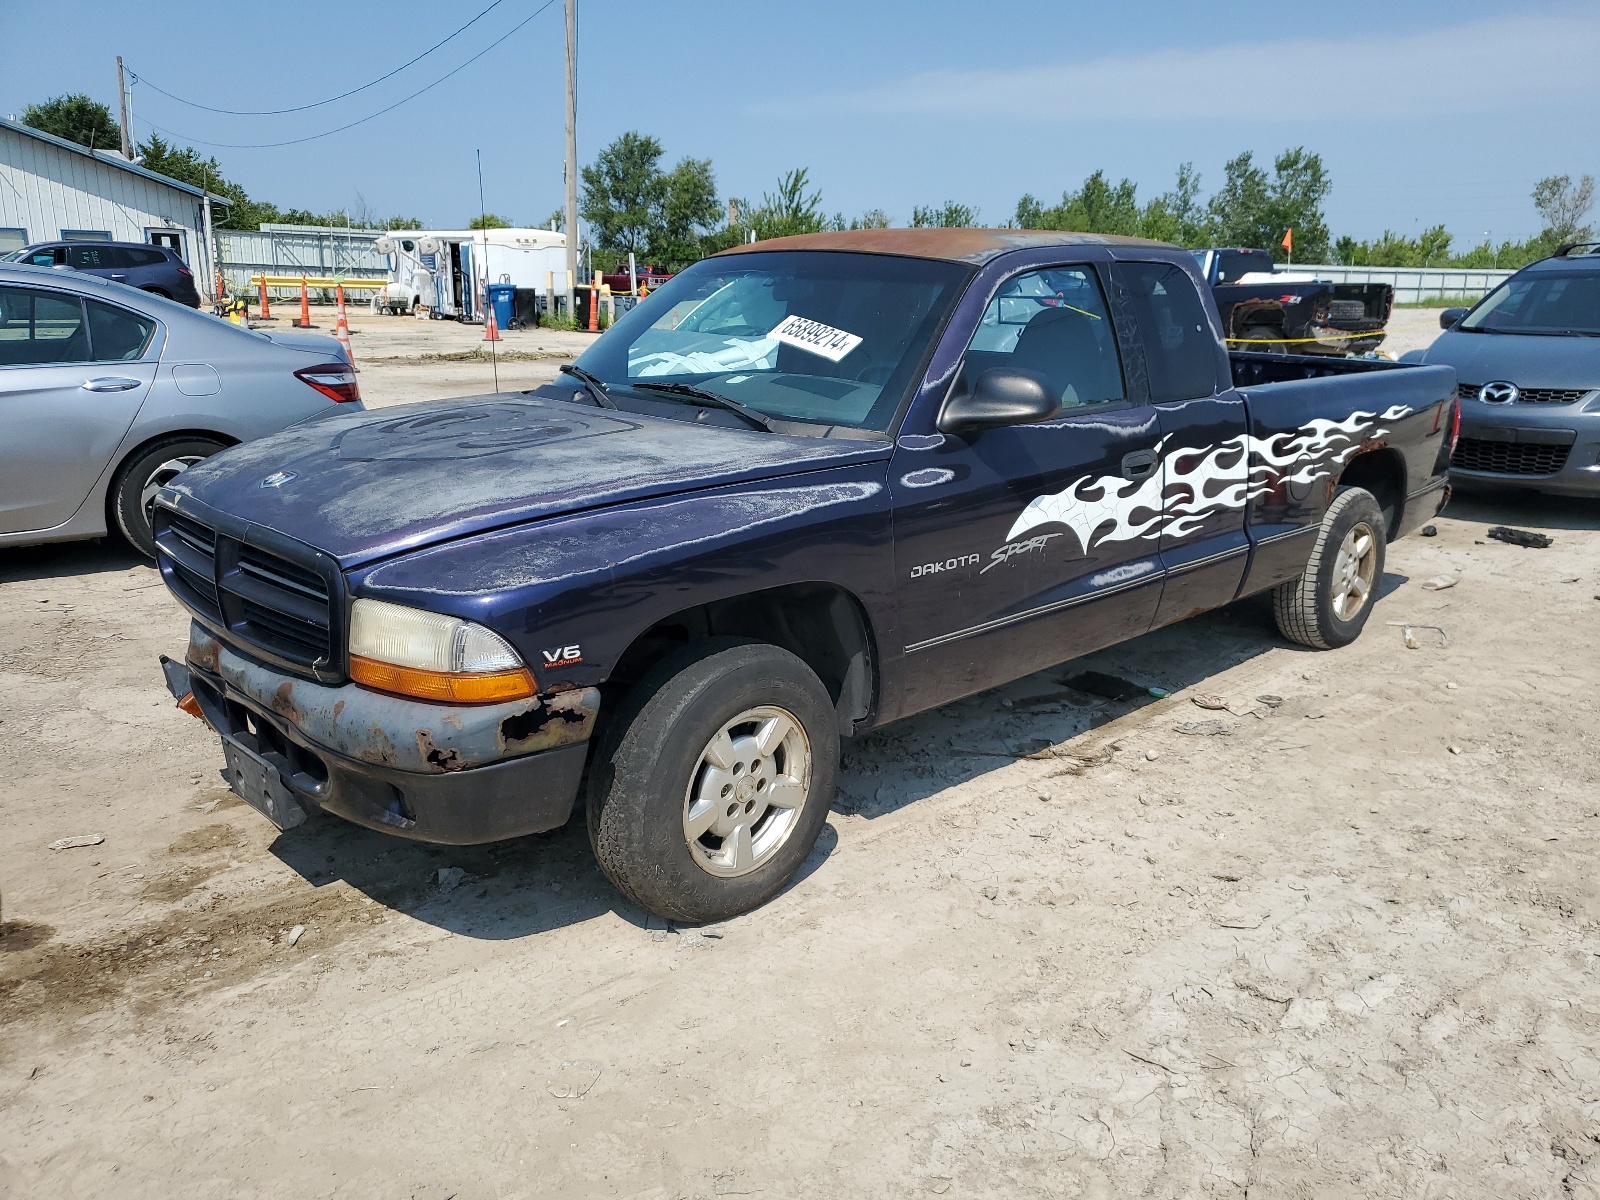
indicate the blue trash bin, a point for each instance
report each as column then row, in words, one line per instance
column 503, row 299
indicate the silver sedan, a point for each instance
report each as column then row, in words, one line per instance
column 107, row 393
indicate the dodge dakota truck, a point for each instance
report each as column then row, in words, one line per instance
column 809, row 487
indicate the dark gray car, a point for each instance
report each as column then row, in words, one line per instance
column 107, row 393
column 157, row 269
column 1528, row 358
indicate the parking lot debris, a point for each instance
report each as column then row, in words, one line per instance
column 1409, row 635
column 1159, row 693
column 1151, row 755
column 295, row 934
column 1269, row 700
column 82, row 839
column 1455, row 749
column 1430, row 531
column 572, row 1080
column 1209, row 700
column 450, row 878
column 1439, row 583
column 1519, row 537
column 1205, row 728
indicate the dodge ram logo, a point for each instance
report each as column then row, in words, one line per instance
column 278, row 478
column 1500, row 393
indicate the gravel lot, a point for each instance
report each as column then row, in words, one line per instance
column 1048, row 945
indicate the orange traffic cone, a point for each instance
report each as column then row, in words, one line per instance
column 491, row 327
column 305, row 305
column 266, row 313
column 341, row 327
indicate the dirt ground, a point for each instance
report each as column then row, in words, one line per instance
column 1049, row 944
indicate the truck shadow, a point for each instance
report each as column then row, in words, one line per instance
column 504, row 891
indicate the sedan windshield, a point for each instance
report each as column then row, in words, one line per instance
column 816, row 337
column 1540, row 302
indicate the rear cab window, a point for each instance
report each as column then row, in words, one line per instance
column 1180, row 347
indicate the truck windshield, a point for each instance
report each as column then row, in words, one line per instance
column 1540, row 302
column 812, row 336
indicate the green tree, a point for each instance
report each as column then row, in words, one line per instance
column 78, row 118
column 790, row 210
column 689, row 209
column 1563, row 205
column 632, row 205
column 488, row 221
column 1252, row 210
column 876, row 218
column 1177, row 216
column 949, row 215
column 623, row 193
column 1099, row 206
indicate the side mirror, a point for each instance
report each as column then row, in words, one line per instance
column 1451, row 317
column 1000, row 396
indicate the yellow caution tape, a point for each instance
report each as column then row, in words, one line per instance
column 1329, row 337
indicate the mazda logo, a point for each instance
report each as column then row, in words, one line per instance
column 1500, row 393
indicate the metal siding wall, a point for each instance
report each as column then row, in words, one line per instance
column 46, row 189
column 246, row 252
column 1415, row 284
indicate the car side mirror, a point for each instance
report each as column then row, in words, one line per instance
column 1451, row 317
column 1000, row 396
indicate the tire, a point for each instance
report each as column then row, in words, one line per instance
column 656, row 779
column 1327, row 606
column 133, row 489
column 1267, row 333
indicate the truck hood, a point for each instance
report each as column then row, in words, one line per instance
column 368, row 485
column 1527, row 360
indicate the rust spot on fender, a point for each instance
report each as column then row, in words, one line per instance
column 337, row 709
column 283, row 701
column 444, row 758
column 557, row 718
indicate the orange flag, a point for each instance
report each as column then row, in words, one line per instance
column 1288, row 241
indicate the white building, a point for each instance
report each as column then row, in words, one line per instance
column 55, row 190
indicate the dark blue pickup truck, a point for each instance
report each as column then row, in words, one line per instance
column 808, row 487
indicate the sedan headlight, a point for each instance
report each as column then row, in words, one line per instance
column 432, row 657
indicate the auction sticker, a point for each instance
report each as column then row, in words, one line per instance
column 805, row 334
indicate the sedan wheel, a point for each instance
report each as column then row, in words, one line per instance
column 132, row 501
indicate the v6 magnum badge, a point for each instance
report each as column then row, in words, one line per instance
column 562, row 656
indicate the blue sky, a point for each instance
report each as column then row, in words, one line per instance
column 1424, row 110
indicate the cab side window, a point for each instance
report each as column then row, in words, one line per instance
column 1054, row 323
column 38, row 328
column 91, row 258
column 1180, row 347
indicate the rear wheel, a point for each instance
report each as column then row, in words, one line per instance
column 714, row 781
column 1329, row 604
column 1264, row 339
column 133, row 492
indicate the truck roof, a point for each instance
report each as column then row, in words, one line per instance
column 974, row 246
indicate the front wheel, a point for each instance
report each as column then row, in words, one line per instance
column 133, row 492
column 1329, row 604
column 714, row 781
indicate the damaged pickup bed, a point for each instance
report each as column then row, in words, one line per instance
column 807, row 488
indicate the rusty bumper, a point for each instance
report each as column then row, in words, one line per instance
column 442, row 773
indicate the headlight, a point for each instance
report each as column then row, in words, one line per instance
column 432, row 657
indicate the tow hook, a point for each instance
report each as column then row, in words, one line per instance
column 177, row 676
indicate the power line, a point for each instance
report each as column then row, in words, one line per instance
column 278, row 112
column 363, row 120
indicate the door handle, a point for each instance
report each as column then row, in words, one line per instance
column 115, row 276
column 113, row 383
column 1139, row 464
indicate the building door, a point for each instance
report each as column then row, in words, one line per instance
column 172, row 239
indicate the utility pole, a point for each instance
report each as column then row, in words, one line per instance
column 122, row 103
column 572, row 154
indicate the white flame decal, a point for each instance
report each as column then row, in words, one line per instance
column 1185, row 493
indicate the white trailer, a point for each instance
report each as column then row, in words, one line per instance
column 446, row 271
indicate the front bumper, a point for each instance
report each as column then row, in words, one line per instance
column 1521, row 435
column 454, row 774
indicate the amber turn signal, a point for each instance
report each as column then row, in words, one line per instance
column 442, row 688
column 191, row 706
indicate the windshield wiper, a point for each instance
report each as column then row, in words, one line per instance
column 690, row 393
column 592, row 384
